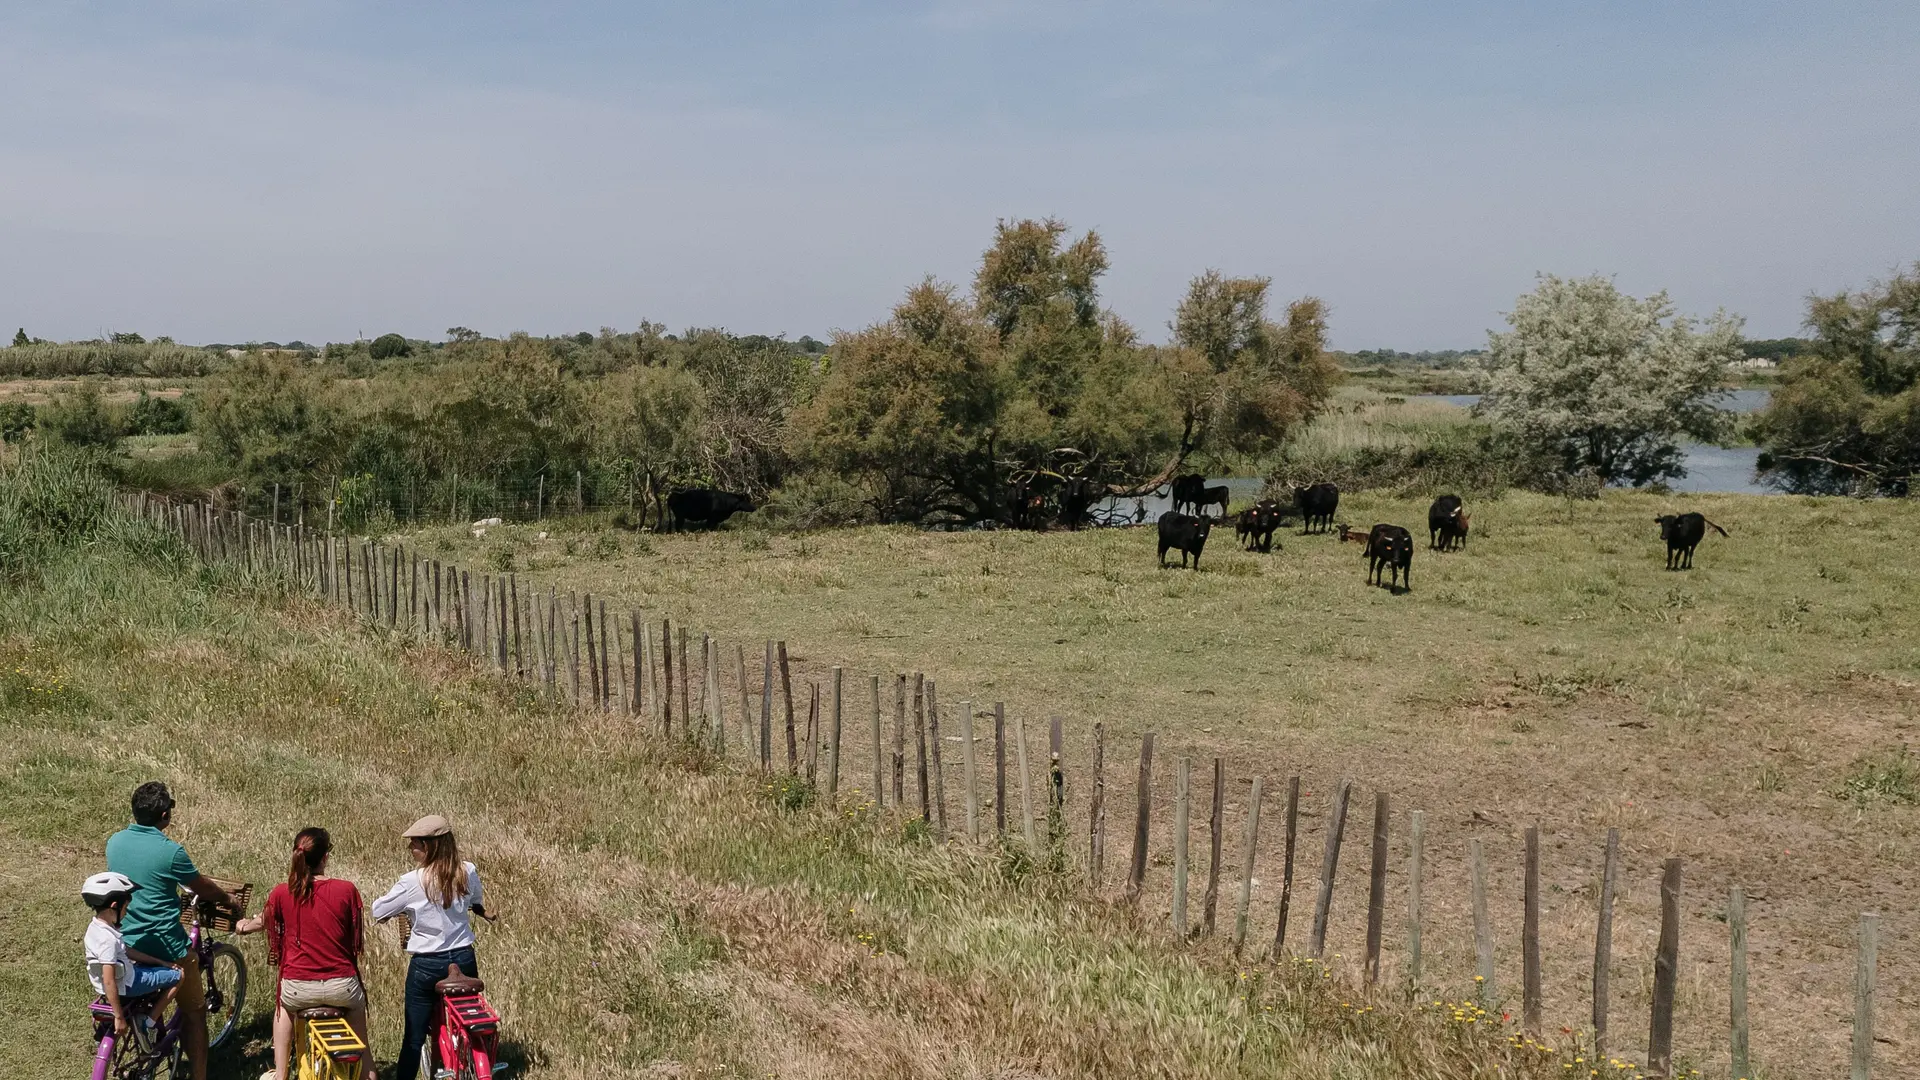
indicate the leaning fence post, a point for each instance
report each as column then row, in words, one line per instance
column 833, row 737
column 766, row 711
column 1329, row 864
column 748, row 744
column 1603, row 945
column 920, row 746
column 1737, row 982
column 1216, row 834
column 900, row 741
column 1097, row 826
column 786, row 696
column 1286, row 872
column 1143, row 817
column 1666, row 974
column 1377, row 888
column 1182, row 781
column 1251, row 845
column 1865, row 978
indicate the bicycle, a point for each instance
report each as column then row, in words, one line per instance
column 463, row 1035
column 326, row 1046
column 159, row 1051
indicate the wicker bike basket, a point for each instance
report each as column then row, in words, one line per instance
column 221, row 917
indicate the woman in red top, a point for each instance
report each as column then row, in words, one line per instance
column 314, row 927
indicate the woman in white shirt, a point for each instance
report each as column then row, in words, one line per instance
column 440, row 896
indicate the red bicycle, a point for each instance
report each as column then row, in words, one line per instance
column 464, row 1034
column 463, row 1042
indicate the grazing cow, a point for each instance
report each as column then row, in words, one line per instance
column 1184, row 532
column 1187, row 490
column 1257, row 525
column 1446, row 524
column 1390, row 548
column 1683, row 533
column 1213, row 496
column 1316, row 504
column 706, row 506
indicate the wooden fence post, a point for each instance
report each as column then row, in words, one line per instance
column 967, row 765
column 666, row 666
column 1530, row 936
column 1026, row 785
column 879, row 766
column 1666, row 974
column 1143, row 817
column 1182, row 781
column 939, row 770
column 686, row 685
column 1603, row 945
column 1737, row 983
column 786, row 697
column 716, row 709
column 813, row 730
column 920, row 745
column 766, row 710
column 1000, row 768
column 1377, row 888
column 1250, row 844
column 1482, row 931
column 1097, row 825
column 1865, row 980
column 748, row 744
column 1056, row 791
column 899, row 740
column 1286, row 872
column 1216, row 832
column 833, row 737
column 1329, row 864
column 1416, row 841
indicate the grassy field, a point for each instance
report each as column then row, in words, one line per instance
column 1752, row 716
column 660, row 917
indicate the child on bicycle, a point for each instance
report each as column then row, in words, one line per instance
column 121, row 974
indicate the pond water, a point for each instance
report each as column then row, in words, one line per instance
column 1709, row 468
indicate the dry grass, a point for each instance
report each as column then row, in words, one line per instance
column 1553, row 673
column 659, row 916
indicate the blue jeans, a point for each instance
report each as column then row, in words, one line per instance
column 150, row 979
column 423, row 971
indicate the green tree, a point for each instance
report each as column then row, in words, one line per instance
column 1846, row 417
column 80, row 418
column 265, row 421
column 20, row 338
column 1605, row 382
column 388, row 346
column 964, row 411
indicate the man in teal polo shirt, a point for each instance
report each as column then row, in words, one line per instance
column 160, row 867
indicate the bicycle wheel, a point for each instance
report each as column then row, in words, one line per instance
column 226, row 976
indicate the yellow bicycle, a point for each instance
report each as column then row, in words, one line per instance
column 326, row 1046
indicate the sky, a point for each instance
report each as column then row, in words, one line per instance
column 225, row 171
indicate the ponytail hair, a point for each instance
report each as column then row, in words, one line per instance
column 443, row 878
column 310, row 849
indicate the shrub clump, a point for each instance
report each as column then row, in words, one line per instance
column 55, row 501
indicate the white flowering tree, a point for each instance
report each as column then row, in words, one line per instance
column 1605, row 382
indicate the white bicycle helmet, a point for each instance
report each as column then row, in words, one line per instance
column 103, row 887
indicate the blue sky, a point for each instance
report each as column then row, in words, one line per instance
column 234, row 171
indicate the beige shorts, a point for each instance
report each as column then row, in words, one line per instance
column 297, row 995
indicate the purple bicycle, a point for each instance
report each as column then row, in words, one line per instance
column 154, row 1052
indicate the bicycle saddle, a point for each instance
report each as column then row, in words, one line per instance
column 458, row 982
column 321, row 1013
